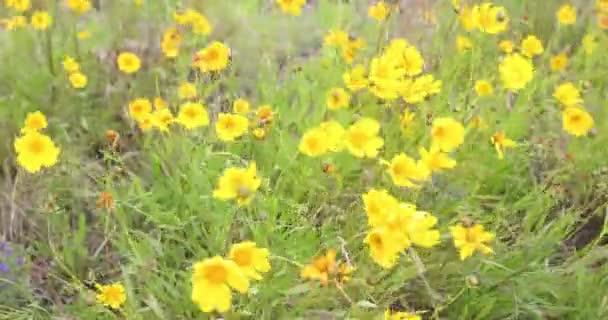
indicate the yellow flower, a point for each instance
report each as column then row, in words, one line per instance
column 259, row 133
column 112, row 295
column 463, row 43
column 399, row 315
column 589, row 44
column 568, row 95
column 601, row 5
column 321, row 268
column 146, row 122
column 501, row 142
column 162, row 118
column 602, row 20
column 79, row 6
column 355, row 79
column 200, row 24
column 385, row 77
column 241, row 106
column 406, row 172
column 350, row 50
column 406, row 121
column 139, row 108
column 214, row 57
column 160, row 104
column 336, row 38
column 576, row 121
column 70, row 65
column 337, row 98
column 314, row 143
column 489, row 18
column 334, row 135
column 506, row 46
column 212, row 279
column 78, row 80
column 483, row 88
column 384, row 246
column 192, row 115
column 470, row 239
column 84, row 34
column 531, row 46
column 403, row 56
column 566, row 14
column 41, row 20
column 559, row 62
column 362, row 138
column 292, row 7
column 187, row 91
column 478, row 123
column 379, row 204
column 171, row 42
column 264, row 115
column 35, row 150
column 128, row 62
column 515, row 72
column 231, row 126
column 251, row 259
column 19, row 5
column 447, row 134
column 239, row 184
column 379, row 11
column 466, row 18
column 34, row 121
column 435, row 160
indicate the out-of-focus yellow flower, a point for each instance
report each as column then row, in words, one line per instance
column 314, row 143
column 41, row 20
column 160, row 103
column 292, row 7
column 350, row 50
column 379, row 204
column 489, row 18
column 466, row 18
column 602, row 20
column 322, row 268
column 356, row 79
column 78, row 80
column 407, row 172
column 212, row 280
column 566, row 14
column 79, row 6
column 362, row 140
column 334, row 134
column 477, row 122
column 589, row 44
column 577, row 121
column 259, row 133
column 187, row 91
column 568, row 95
column 34, row 121
column 337, row 98
column 193, row 115
column 196, row 20
column 384, row 246
column 84, row 34
column 515, row 72
column 336, row 38
column 531, row 46
column 463, row 43
column 112, row 295
column 501, row 142
column 506, row 46
column 241, row 106
column 139, row 108
column 601, row 5
column 470, row 239
column 128, row 62
column 447, row 134
column 264, row 115
column 483, row 88
column 559, row 62
column 379, row 11
column 400, row 315
column 215, row 57
column 231, row 126
column 435, row 160
column 35, row 150
column 19, row 5
column 239, row 184
column 251, row 260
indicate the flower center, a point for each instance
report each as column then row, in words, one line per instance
column 243, row 257
column 36, row 146
column 216, row 274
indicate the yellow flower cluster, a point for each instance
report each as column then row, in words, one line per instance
column 485, row 17
column 77, row 79
column 575, row 119
column 292, row 7
column 35, row 150
column 324, row 269
column 349, row 46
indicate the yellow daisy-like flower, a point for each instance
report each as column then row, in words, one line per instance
column 378, row 206
column 41, row 20
column 399, row 315
column 314, row 143
column 566, row 15
column 362, row 140
column 34, row 121
column 501, row 142
column 19, row 5
column 337, row 98
column 112, row 295
column 35, row 150
column 435, row 160
column 531, row 46
column 78, row 80
column 162, row 119
column 334, row 135
column 215, row 57
column 70, row 65
column 264, row 115
column 379, row 11
column 171, row 42
column 160, row 103
column 192, row 115
column 139, row 108
column 128, row 62
column 321, row 268
column 470, row 239
column 336, row 38
column 483, row 88
column 231, row 126
column 187, row 91
column 463, row 43
column 292, row 7
column 212, row 280
column 515, row 72
column 241, row 106
column 466, row 18
column 407, row 172
column 239, row 184
column 251, row 259
column 489, row 18
column 447, row 134
column 577, row 121
column 506, row 46
column 559, row 62
column 384, row 246
column 356, row 79
column 568, row 95
column 79, row 6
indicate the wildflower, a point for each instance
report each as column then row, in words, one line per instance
column 78, row 80
column 264, row 114
column 192, row 115
column 379, row 11
column 200, row 25
column 378, row 206
column 251, row 260
column 602, row 20
column 79, row 6
column 427, row 85
column 19, row 5
column 355, row 79
column 466, row 18
column 160, row 103
column 41, row 20
column 501, row 142
column 105, row 200
column 489, row 18
column 187, row 91
column 128, row 62
column 214, row 57
column 531, row 46
column 483, row 88
column 336, row 38
column 171, row 42
column 576, row 121
column 568, row 95
column 406, row 120
column 112, row 295
column 506, row 46
column 83, row 35
column 447, row 134
column 334, row 135
column 566, row 14
column 239, row 184
column 463, row 43
column 292, row 7
column 435, row 160
column 470, row 239
column 259, row 133
column 477, row 122
column 231, row 126
column 362, row 138
column 601, row 5
column 314, row 143
column 589, row 44
column 337, row 98
column 384, row 246
column 322, row 268
column 350, row 50
column 419, row 227
column 34, row 122
column 162, row 118
column 405, row 171
column 146, row 122
column 70, row 65
column 212, row 280
column 559, row 62
column 399, row 315
column 241, row 106
column 139, row 108
column 515, row 72
column 35, row 150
